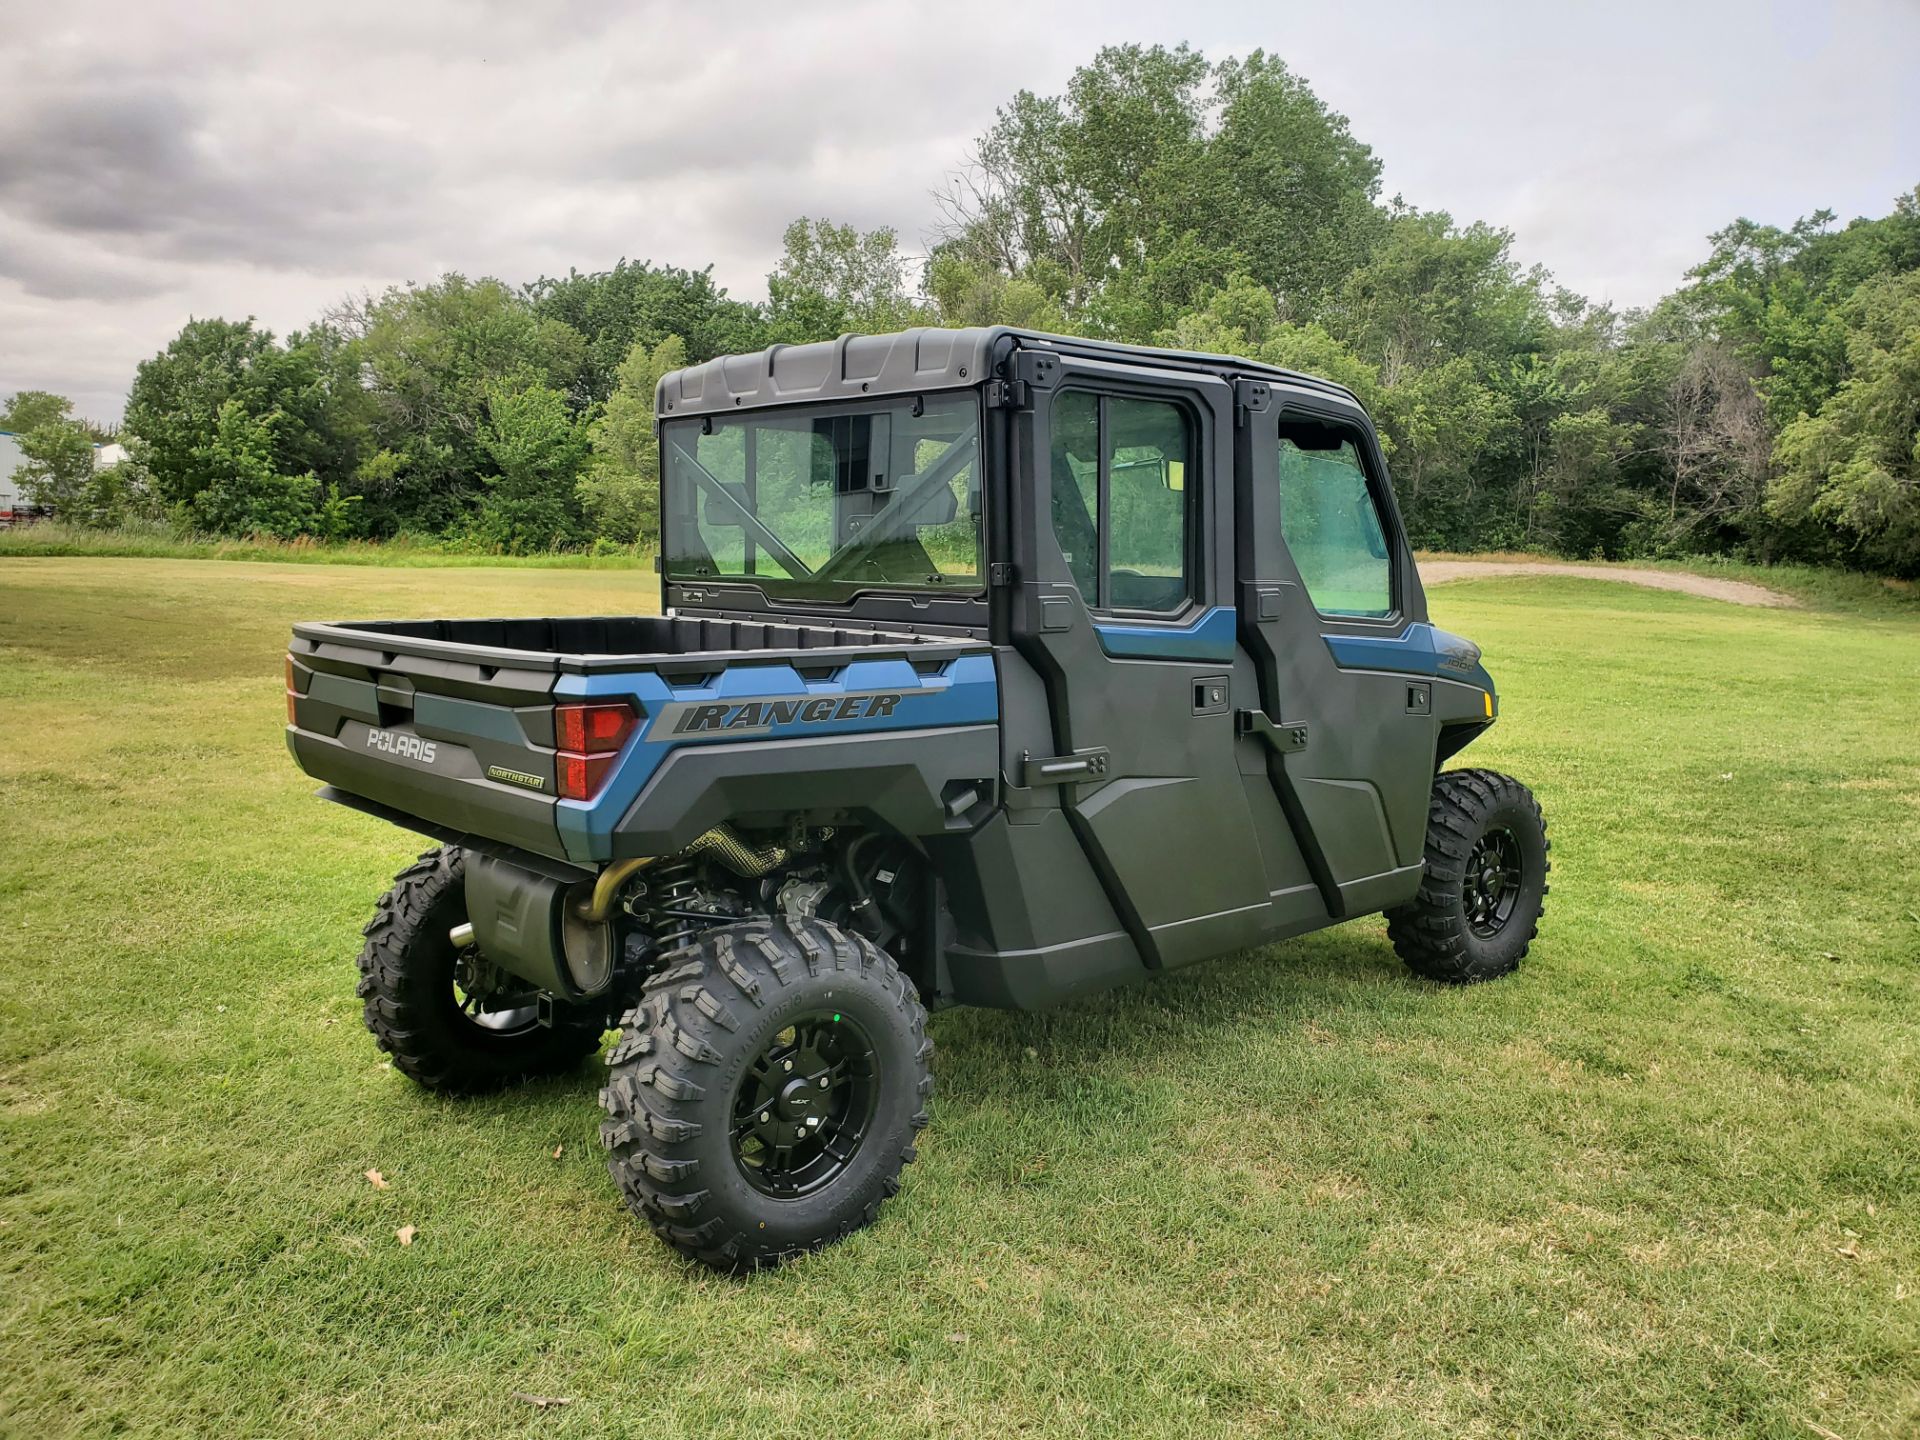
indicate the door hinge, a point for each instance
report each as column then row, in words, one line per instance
column 1284, row 738
column 1064, row 769
column 1000, row 573
column 1009, row 395
column 1250, row 397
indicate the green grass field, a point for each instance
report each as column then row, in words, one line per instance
column 1660, row 1183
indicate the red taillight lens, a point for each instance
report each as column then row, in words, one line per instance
column 593, row 729
column 589, row 738
column 581, row 776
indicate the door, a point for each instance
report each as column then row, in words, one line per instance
column 1331, row 610
column 1123, row 606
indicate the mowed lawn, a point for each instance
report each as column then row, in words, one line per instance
column 1660, row 1183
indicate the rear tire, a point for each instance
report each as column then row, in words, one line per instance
column 1485, row 886
column 766, row 1091
column 438, row 1034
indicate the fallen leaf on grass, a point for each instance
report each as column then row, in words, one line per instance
column 556, row 1151
column 406, row 1233
column 1850, row 1250
column 376, row 1179
column 542, row 1402
column 958, row 1337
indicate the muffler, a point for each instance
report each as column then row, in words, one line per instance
column 543, row 930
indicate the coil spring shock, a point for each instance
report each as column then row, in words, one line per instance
column 671, row 887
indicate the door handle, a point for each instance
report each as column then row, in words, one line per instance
column 1064, row 769
column 1210, row 694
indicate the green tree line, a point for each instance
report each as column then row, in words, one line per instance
column 1769, row 408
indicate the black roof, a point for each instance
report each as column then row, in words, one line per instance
column 914, row 361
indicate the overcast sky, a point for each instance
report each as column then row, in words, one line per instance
column 164, row 161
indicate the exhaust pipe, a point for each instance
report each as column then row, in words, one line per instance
column 722, row 843
column 561, row 937
column 599, row 907
column 725, row 844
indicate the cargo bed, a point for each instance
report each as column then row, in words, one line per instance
column 589, row 644
column 451, row 723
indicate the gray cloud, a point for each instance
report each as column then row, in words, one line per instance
column 162, row 162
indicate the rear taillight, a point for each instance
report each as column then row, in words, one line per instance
column 292, row 694
column 589, row 737
column 593, row 729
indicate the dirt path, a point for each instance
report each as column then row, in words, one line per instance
column 1739, row 592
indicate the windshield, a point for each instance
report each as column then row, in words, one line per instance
column 821, row 503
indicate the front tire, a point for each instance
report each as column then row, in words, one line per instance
column 766, row 1092
column 450, row 1022
column 1485, row 885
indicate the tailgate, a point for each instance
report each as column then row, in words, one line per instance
column 465, row 744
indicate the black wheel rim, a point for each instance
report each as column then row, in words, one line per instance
column 1491, row 889
column 485, row 1004
column 805, row 1105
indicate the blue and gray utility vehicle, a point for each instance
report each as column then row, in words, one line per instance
column 995, row 668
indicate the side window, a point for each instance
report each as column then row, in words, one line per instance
column 1122, row 508
column 1331, row 524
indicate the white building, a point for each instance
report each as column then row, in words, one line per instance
column 10, row 460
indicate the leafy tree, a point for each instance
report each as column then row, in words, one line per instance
column 1855, row 463
column 1064, row 189
column 620, row 493
column 304, row 393
column 433, row 355
column 1155, row 178
column 61, row 468
column 1442, row 422
column 965, row 293
column 118, row 495
column 245, row 494
column 1236, row 318
column 1171, row 274
column 539, row 447
column 1432, row 291
column 639, row 303
column 1775, row 294
column 1292, row 187
column 30, row 409
column 833, row 279
column 57, row 463
column 1311, row 350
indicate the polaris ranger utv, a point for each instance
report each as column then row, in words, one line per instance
column 996, row 668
